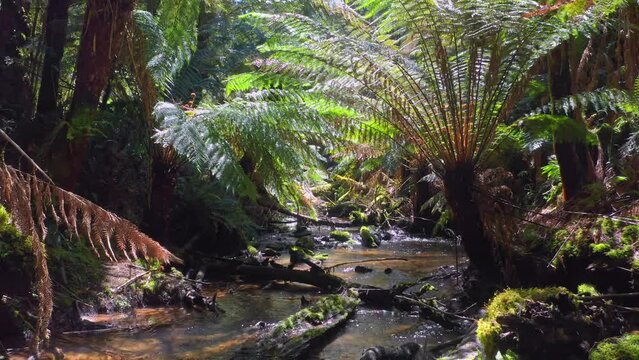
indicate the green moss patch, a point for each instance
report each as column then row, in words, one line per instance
column 327, row 307
column 505, row 303
column 620, row 348
column 340, row 235
column 358, row 218
column 367, row 238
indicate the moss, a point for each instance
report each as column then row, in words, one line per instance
column 587, row 290
column 607, row 227
column 509, row 302
column 600, row 248
column 325, row 308
column 630, row 234
column 620, row 348
column 340, row 235
column 320, row 256
column 358, row 218
column 252, row 250
column 367, row 238
column 623, row 253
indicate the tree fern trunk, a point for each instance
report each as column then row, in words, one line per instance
column 458, row 186
column 54, row 41
column 102, row 36
column 575, row 160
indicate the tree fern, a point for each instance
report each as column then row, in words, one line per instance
column 272, row 128
column 168, row 39
column 443, row 74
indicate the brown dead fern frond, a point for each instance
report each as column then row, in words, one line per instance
column 32, row 201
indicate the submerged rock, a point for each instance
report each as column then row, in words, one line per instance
column 362, row 269
column 408, row 351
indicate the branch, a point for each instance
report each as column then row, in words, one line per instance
column 610, row 296
column 24, row 154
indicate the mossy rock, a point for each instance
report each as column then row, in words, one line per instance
column 340, row 235
column 619, row 348
column 509, row 302
column 358, row 218
column 367, row 238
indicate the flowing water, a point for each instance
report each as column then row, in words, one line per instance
column 173, row 333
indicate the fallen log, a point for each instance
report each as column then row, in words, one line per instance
column 319, row 279
column 293, row 337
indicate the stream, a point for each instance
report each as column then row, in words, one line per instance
column 175, row 333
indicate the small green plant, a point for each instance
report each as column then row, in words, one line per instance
column 426, row 287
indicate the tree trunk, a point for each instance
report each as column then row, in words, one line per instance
column 15, row 91
column 458, row 186
column 575, row 160
column 54, row 41
column 102, row 36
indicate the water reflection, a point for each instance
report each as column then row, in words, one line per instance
column 169, row 333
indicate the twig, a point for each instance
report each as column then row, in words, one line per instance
column 434, row 309
column 8, row 139
column 130, row 281
column 447, row 344
column 561, row 247
column 610, row 296
column 365, row 261
column 173, row 276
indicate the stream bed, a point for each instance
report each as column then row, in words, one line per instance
column 174, row 333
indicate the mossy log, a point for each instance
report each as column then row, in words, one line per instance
column 270, row 270
column 295, row 336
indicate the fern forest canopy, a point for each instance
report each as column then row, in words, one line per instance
column 475, row 160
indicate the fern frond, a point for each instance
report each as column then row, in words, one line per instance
column 601, row 100
column 31, row 200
